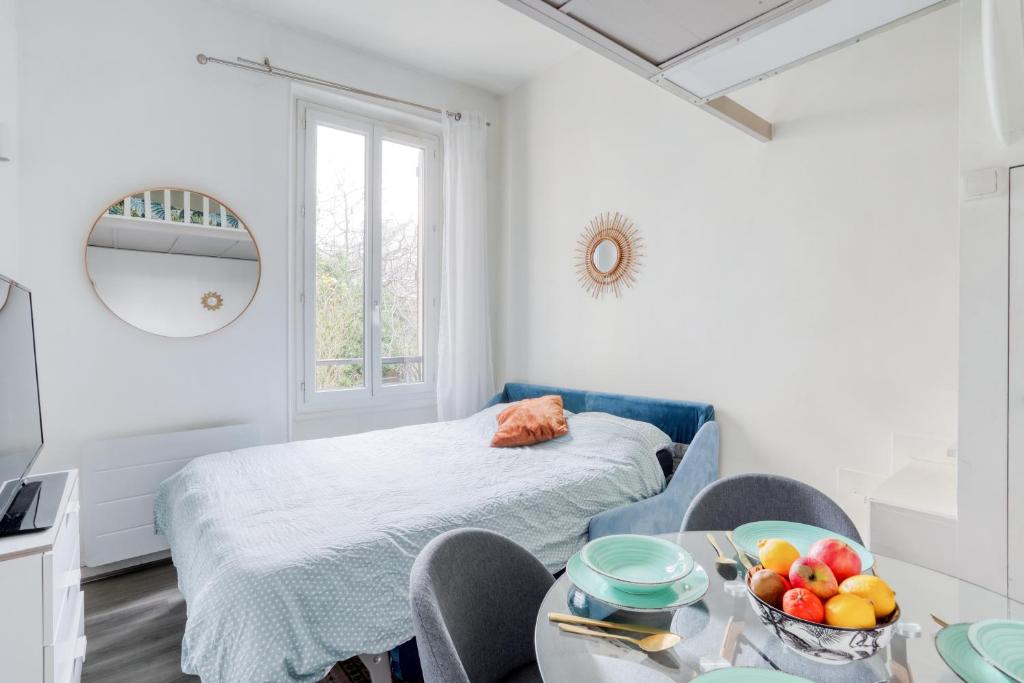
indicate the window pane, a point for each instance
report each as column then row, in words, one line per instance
column 340, row 248
column 401, row 305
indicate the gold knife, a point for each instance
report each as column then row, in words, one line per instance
column 560, row 618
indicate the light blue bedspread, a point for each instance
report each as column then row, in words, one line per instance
column 294, row 556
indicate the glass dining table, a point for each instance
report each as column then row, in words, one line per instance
column 722, row 630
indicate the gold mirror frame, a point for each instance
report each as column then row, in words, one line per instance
column 624, row 234
column 226, row 211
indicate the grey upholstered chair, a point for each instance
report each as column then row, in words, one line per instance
column 730, row 502
column 475, row 596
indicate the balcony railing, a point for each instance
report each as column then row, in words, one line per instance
column 387, row 360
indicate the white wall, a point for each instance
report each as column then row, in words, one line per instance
column 114, row 101
column 984, row 226
column 163, row 293
column 807, row 287
column 9, row 170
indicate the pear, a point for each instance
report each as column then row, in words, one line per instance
column 769, row 586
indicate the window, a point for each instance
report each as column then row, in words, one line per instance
column 369, row 225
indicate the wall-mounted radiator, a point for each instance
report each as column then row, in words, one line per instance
column 119, row 479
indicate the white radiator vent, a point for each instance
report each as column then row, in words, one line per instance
column 119, row 479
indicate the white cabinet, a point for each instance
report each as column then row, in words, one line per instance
column 42, row 631
column 1015, row 404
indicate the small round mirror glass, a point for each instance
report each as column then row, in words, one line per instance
column 606, row 256
column 173, row 262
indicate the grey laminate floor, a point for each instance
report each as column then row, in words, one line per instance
column 134, row 623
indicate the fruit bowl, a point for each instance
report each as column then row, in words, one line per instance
column 637, row 564
column 820, row 642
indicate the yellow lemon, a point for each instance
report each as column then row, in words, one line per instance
column 777, row 554
column 849, row 611
column 872, row 589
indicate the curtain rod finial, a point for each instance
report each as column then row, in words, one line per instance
column 201, row 58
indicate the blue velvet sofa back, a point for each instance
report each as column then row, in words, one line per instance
column 681, row 420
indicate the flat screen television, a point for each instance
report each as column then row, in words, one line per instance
column 23, row 507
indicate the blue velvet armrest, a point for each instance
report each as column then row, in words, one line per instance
column 663, row 513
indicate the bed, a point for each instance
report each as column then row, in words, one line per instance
column 294, row 556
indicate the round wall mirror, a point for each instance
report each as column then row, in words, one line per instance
column 606, row 256
column 173, row 262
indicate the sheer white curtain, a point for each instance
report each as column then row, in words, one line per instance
column 465, row 366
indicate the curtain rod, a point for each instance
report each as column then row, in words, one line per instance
column 265, row 67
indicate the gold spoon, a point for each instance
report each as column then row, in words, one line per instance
column 655, row 643
column 726, row 566
column 940, row 622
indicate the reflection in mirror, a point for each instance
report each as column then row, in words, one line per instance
column 173, row 262
column 606, row 256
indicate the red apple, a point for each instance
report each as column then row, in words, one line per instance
column 803, row 604
column 814, row 575
column 840, row 557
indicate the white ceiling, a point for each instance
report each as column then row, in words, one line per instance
column 479, row 42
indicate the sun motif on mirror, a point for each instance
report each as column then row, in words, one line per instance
column 212, row 301
column 608, row 254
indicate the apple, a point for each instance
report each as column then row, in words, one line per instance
column 814, row 575
column 840, row 557
column 803, row 604
column 769, row 586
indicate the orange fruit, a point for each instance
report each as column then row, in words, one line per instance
column 872, row 589
column 777, row 554
column 847, row 610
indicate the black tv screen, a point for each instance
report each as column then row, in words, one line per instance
column 21, row 427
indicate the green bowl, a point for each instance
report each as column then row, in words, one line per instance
column 954, row 646
column 1000, row 642
column 637, row 564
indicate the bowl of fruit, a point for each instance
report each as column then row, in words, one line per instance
column 820, row 604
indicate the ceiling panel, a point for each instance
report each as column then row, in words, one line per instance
column 659, row 30
column 138, row 240
column 195, row 245
column 101, row 236
column 143, row 234
column 790, row 41
column 245, row 251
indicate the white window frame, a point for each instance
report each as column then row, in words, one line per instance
column 374, row 394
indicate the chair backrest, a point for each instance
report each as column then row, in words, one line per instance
column 730, row 502
column 475, row 596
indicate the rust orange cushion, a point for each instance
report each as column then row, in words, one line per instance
column 533, row 420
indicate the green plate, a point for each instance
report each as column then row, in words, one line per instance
column 1001, row 643
column 743, row 674
column 802, row 536
column 637, row 564
column 684, row 592
column 955, row 649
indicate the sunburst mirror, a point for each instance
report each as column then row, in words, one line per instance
column 608, row 254
column 212, row 301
